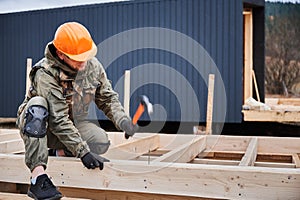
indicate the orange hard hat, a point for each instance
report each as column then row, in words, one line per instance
column 75, row 41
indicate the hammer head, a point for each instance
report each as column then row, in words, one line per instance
column 145, row 101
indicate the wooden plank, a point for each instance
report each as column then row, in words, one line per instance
column 283, row 101
column 172, row 141
column 127, row 92
column 7, row 120
column 251, row 153
column 9, row 136
column 296, row 160
column 271, row 116
column 14, row 196
column 6, row 131
column 28, row 69
column 210, row 104
column 215, row 162
column 122, row 195
column 184, row 153
column 182, row 179
column 274, row 165
column 12, row 146
column 133, row 149
column 248, row 54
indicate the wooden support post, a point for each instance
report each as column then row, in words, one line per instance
column 210, row 103
column 134, row 148
column 127, row 92
column 251, row 153
column 28, row 69
column 184, row 153
column 248, row 54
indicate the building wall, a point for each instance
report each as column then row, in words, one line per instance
column 215, row 26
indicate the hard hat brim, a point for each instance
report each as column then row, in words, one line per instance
column 85, row 56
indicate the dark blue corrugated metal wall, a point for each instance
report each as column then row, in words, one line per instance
column 216, row 25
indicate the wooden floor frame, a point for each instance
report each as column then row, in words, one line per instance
column 164, row 166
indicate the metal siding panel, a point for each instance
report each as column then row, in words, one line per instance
column 216, row 25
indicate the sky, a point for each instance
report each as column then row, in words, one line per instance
column 8, row 6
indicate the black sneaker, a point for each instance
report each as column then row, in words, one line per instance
column 44, row 189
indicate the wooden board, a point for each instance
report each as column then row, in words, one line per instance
column 282, row 110
column 271, row 116
column 11, row 196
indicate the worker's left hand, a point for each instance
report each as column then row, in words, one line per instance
column 129, row 128
column 92, row 161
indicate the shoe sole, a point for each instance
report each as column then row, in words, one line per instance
column 31, row 195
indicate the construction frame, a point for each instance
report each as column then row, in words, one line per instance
column 170, row 166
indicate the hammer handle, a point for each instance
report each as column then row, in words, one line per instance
column 138, row 113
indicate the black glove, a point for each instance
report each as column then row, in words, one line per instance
column 129, row 128
column 92, row 160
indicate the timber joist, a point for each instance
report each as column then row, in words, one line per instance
column 156, row 166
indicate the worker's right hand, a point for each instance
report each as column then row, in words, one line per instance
column 92, row 161
column 129, row 128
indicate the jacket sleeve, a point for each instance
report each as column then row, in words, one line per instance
column 59, row 122
column 107, row 100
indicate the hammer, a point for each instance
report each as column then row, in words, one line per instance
column 144, row 102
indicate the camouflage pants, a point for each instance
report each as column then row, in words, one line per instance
column 36, row 149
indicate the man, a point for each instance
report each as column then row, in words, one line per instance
column 53, row 113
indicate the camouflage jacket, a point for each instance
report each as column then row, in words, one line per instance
column 69, row 94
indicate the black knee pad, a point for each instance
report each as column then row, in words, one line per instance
column 36, row 121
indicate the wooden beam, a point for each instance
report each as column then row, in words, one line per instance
column 9, row 136
column 271, row 116
column 7, row 120
column 283, row 101
column 191, row 180
column 215, row 162
column 296, row 160
column 251, row 153
column 12, row 146
column 210, row 104
column 6, row 131
column 133, row 149
column 274, row 165
column 127, row 92
column 28, row 69
column 248, row 54
column 184, row 153
column 14, row 196
column 122, row 195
